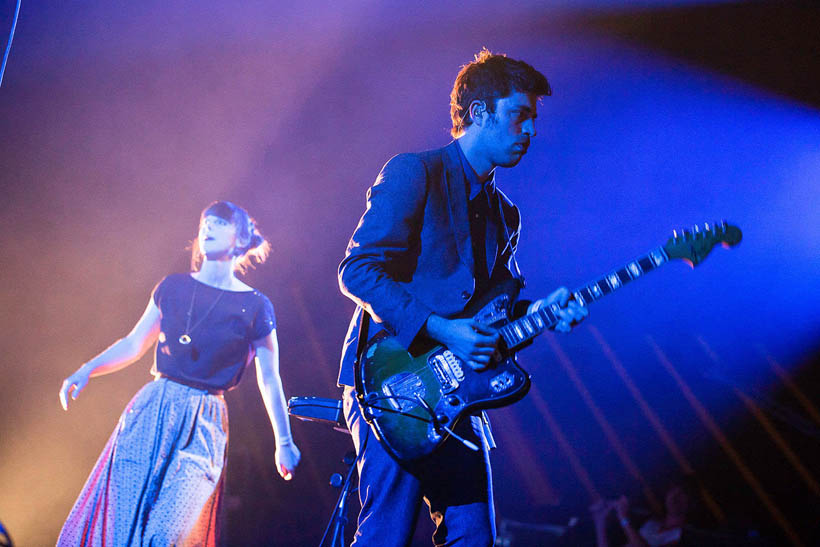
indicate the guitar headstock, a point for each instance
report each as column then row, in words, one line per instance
column 693, row 245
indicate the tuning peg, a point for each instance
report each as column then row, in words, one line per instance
column 696, row 231
column 687, row 234
column 674, row 234
column 717, row 226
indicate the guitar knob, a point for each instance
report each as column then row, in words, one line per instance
column 442, row 418
column 452, row 400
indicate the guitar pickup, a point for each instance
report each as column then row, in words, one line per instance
column 447, row 369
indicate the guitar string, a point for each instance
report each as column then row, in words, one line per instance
column 402, row 383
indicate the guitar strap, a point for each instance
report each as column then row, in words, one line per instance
column 360, row 345
column 363, row 328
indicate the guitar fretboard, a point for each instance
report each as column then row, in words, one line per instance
column 531, row 325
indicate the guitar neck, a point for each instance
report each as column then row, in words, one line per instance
column 531, row 325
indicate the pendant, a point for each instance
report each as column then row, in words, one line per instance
column 184, row 339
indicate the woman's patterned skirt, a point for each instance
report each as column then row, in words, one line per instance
column 159, row 479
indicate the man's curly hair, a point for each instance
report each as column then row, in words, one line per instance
column 488, row 78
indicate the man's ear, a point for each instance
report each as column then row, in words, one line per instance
column 478, row 112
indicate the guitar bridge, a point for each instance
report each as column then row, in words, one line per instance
column 402, row 390
column 447, row 368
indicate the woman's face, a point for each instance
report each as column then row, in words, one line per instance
column 217, row 238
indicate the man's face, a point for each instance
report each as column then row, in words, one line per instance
column 507, row 135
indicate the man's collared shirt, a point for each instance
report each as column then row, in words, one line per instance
column 482, row 208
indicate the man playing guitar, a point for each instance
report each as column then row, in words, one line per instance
column 437, row 234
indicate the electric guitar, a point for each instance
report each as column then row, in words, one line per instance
column 412, row 399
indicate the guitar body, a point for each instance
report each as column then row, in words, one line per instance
column 390, row 380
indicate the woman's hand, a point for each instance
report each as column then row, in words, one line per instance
column 287, row 458
column 119, row 355
column 73, row 385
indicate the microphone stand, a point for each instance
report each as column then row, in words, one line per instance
column 338, row 519
column 329, row 411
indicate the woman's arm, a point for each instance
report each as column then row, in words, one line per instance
column 119, row 355
column 270, row 386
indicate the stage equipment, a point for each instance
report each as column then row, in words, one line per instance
column 329, row 412
column 318, row 409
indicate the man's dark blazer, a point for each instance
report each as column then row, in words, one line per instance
column 411, row 254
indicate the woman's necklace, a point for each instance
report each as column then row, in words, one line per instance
column 185, row 338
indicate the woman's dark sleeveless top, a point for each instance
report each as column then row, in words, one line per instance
column 222, row 326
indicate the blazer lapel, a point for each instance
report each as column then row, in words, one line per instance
column 457, row 198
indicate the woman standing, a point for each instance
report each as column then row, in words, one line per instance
column 159, row 479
